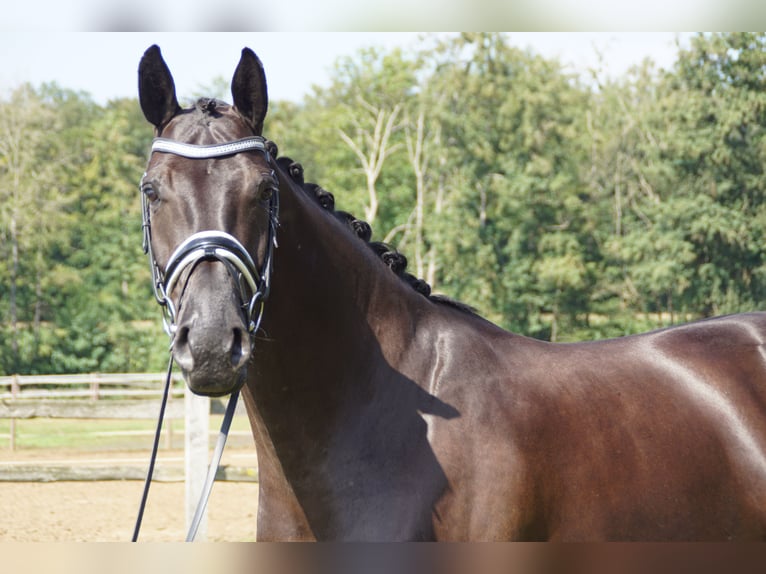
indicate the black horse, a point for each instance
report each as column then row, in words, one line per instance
column 383, row 413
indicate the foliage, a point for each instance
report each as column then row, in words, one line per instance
column 563, row 207
column 81, row 288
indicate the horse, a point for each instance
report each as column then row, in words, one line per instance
column 382, row 412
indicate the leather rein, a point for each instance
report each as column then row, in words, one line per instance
column 254, row 286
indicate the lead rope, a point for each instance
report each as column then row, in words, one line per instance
column 153, row 458
column 212, row 469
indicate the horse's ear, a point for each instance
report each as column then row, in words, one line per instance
column 248, row 88
column 156, row 89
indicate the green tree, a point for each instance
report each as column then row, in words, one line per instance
column 350, row 136
column 32, row 216
column 111, row 296
column 562, row 207
column 629, row 185
column 78, row 295
column 718, row 90
column 510, row 120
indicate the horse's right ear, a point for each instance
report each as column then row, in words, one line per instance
column 156, row 89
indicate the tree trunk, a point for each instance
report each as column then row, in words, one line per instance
column 12, row 295
column 373, row 149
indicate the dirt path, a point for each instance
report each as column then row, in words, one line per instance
column 106, row 511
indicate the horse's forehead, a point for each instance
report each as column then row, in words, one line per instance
column 195, row 126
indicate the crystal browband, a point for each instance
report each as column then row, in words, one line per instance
column 193, row 151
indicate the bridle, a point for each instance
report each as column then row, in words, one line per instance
column 254, row 286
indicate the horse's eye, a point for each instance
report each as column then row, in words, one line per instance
column 148, row 190
column 266, row 189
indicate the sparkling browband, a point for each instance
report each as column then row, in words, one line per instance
column 193, row 151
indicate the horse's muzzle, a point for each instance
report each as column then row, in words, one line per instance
column 212, row 342
column 212, row 365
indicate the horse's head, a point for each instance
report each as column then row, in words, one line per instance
column 209, row 220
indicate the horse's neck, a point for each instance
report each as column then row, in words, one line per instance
column 333, row 308
column 333, row 329
column 330, row 291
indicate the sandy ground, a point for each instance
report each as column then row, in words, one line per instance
column 106, row 511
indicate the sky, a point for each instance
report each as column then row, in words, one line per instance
column 104, row 64
column 350, row 15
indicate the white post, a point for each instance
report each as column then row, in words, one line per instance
column 196, row 455
column 14, row 395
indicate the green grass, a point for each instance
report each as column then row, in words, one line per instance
column 104, row 434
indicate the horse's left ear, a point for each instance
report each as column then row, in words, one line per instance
column 248, row 88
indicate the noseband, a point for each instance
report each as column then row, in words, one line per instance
column 220, row 246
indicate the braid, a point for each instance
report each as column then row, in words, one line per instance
column 291, row 168
column 324, row 197
column 394, row 260
column 359, row 228
column 417, row 284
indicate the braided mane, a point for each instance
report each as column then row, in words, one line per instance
column 394, row 260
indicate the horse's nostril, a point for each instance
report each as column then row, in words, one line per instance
column 181, row 349
column 238, row 352
column 182, row 337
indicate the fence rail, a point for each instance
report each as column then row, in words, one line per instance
column 108, row 396
column 79, row 409
column 94, row 385
column 116, row 396
column 60, row 472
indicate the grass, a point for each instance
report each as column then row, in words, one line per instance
column 107, row 434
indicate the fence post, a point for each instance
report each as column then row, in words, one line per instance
column 169, row 425
column 14, row 394
column 197, row 425
column 94, row 386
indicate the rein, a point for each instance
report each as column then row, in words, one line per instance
column 254, row 286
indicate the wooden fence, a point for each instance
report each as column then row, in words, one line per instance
column 92, row 386
column 79, row 396
column 117, row 396
column 97, row 396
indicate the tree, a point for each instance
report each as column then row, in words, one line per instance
column 31, row 208
column 561, row 208
column 718, row 90
column 78, row 286
column 510, row 121
column 113, row 294
column 629, row 182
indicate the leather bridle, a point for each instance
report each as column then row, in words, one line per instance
column 254, row 284
column 215, row 245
